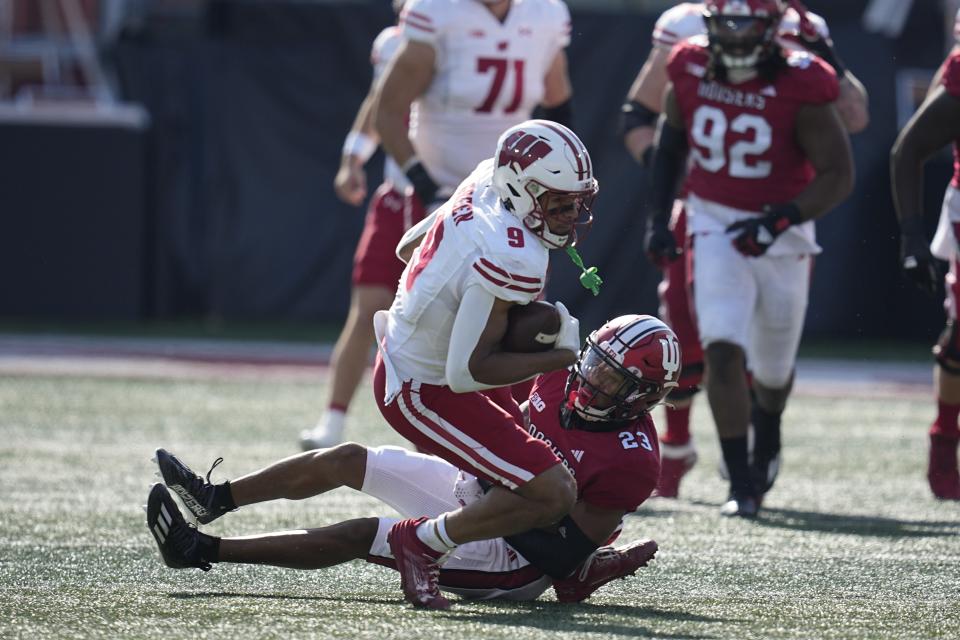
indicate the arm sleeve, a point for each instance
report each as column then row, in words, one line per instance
column 468, row 325
column 422, row 21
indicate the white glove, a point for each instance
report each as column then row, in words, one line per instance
column 569, row 337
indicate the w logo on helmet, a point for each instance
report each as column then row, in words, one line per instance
column 523, row 149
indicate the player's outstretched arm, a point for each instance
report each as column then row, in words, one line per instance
column 824, row 140
column 474, row 361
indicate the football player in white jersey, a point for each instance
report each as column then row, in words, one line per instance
column 441, row 379
column 375, row 268
column 466, row 71
column 799, row 28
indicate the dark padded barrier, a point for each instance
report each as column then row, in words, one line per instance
column 73, row 221
column 250, row 102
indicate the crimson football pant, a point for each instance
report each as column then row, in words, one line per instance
column 477, row 432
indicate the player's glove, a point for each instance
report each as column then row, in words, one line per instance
column 756, row 234
column 915, row 258
column 423, row 184
column 569, row 337
column 659, row 244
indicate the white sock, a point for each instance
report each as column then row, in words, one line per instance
column 433, row 533
column 332, row 423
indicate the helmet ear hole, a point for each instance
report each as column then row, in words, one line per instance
column 516, row 194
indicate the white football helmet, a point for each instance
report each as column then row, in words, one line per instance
column 539, row 157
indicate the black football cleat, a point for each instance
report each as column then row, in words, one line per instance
column 743, row 506
column 764, row 472
column 198, row 495
column 179, row 542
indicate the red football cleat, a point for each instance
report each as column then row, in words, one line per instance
column 675, row 462
column 606, row 564
column 942, row 471
column 418, row 564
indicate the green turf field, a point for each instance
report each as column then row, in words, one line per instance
column 850, row 546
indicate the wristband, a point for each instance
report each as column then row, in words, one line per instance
column 360, row 145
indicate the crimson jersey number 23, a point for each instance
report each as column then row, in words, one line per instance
column 709, row 132
column 499, row 69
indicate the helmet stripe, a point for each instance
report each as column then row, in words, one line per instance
column 579, row 150
column 636, row 331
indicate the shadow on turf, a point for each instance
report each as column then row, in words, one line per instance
column 540, row 614
column 853, row 525
column 584, row 617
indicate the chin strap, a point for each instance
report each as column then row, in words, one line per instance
column 590, row 279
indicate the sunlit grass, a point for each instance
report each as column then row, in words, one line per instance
column 850, row 545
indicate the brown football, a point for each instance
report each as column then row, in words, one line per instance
column 531, row 328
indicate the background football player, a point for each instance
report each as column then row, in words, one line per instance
column 768, row 154
column 460, row 72
column 936, row 123
column 596, row 419
column 799, row 28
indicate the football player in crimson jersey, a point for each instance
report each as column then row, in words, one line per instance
column 460, row 73
column 594, row 417
column 767, row 155
column 936, row 123
column 798, row 29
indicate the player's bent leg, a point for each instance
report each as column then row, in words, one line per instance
column 351, row 356
column 304, row 548
column 412, row 483
column 303, row 475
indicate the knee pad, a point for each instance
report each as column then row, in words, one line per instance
column 947, row 349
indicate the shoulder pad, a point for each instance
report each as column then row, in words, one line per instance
column 678, row 23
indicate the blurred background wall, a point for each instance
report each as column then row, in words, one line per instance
column 177, row 160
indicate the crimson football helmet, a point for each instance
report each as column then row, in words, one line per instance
column 539, row 160
column 626, row 367
column 742, row 33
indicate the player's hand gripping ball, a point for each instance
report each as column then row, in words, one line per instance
column 531, row 328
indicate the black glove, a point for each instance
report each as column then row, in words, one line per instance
column 423, row 184
column 659, row 243
column 915, row 258
column 757, row 234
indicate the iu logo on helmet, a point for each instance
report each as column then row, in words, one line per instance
column 523, row 148
column 671, row 357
